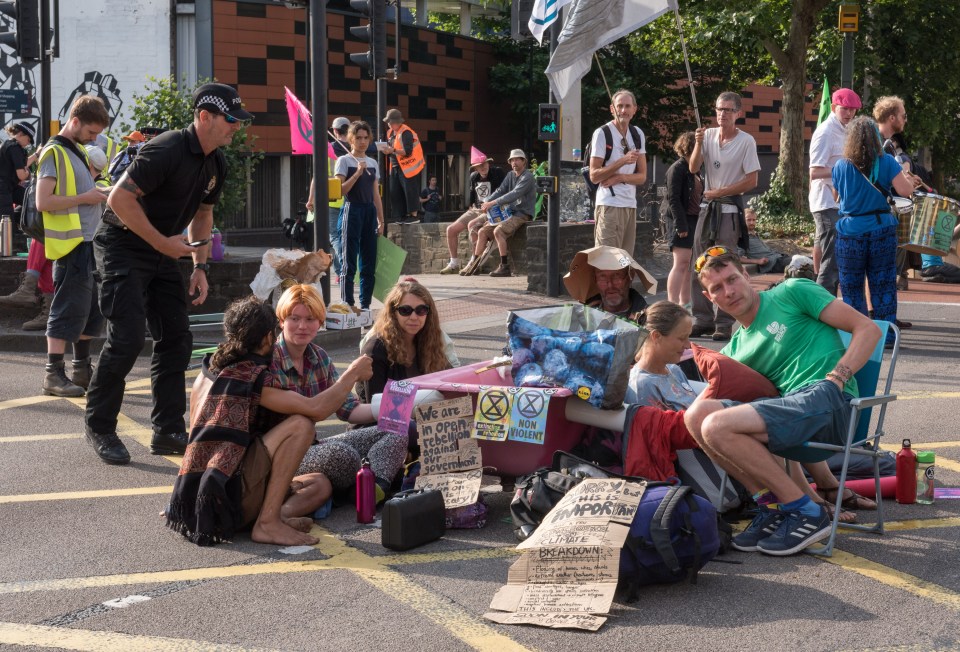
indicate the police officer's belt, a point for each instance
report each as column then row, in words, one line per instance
column 109, row 217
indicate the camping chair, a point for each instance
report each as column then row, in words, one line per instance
column 203, row 346
column 859, row 440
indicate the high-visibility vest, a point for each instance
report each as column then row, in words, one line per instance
column 411, row 163
column 331, row 164
column 61, row 229
column 113, row 148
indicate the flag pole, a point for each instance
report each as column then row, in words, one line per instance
column 603, row 77
column 686, row 60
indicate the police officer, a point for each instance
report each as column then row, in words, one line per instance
column 173, row 184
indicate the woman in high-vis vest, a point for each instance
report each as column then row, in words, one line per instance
column 405, row 163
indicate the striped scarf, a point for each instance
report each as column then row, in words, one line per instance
column 205, row 506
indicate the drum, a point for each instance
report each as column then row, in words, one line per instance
column 903, row 209
column 932, row 224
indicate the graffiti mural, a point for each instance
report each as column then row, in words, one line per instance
column 18, row 77
column 103, row 86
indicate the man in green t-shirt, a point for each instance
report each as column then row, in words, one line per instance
column 788, row 334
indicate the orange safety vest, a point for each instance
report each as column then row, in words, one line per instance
column 411, row 163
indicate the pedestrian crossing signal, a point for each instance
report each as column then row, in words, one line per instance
column 549, row 122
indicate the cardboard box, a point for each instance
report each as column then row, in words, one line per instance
column 338, row 321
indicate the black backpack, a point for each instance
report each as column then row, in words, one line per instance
column 608, row 150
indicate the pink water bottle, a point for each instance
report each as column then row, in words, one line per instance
column 216, row 245
column 366, row 494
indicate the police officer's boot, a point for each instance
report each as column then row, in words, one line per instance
column 57, row 384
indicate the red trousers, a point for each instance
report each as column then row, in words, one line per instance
column 37, row 261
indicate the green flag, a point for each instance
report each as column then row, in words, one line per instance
column 824, row 102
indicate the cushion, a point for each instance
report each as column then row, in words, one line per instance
column 730, row 379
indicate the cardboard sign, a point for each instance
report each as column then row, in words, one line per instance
column 568, row 574
column 492, row 418
column 458, row 489
column 445, row 443
column 554, row 621
column 528, row 416
column 396, row 406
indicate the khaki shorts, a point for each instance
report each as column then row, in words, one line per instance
column 254, row 476
column 507, row 228
column 615, row 227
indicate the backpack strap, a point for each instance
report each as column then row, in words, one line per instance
column 692, row 531
column 637, row 138
column 608, row 149
column 660, row 526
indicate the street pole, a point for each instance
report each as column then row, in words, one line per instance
column 846, row 61
column 318, row 60
column 381, row 157
column 553, row 200
column 46, row 84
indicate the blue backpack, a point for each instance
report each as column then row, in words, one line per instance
column 674, row 533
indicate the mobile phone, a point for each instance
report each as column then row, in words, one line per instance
column 198, row 243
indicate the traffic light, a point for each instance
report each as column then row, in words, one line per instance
column 26, row 40
column 374, row 60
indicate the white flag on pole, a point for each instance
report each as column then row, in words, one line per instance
column 591, row 25
column 545, row 12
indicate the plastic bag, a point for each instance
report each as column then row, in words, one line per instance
column 587, row 351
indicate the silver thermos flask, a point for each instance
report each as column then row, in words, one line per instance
column 6, row 236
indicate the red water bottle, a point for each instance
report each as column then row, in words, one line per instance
column 367, row 497
column 906, row 475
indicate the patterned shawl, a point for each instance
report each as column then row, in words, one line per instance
column 205, row 505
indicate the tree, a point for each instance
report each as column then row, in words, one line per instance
column 166, row 105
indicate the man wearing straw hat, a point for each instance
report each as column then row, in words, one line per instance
column 618, row 174
column 600, row 277
column 484, row 179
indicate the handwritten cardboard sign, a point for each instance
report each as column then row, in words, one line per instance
column 492, row 418
column 396, row 406
column 528, row 416
column 568, row 572
column 458, row 489
column 445, row 443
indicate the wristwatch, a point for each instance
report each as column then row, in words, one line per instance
column 203, row 267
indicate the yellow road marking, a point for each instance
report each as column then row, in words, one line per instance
column 79, row 495
column 913, row 395
column 21, row 438
column 921, row 524
column 896, row 579
column 100, row 641
column 30, row 400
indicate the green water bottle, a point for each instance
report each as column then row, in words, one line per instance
column 925, row 465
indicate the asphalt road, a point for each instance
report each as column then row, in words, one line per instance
column 86, row 564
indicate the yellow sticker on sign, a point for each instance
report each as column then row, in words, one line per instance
column 491, row 421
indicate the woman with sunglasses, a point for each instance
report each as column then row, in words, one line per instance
column 406, row 339
column 867, row 228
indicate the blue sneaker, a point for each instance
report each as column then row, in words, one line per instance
column 763, row 525
column 796, row 533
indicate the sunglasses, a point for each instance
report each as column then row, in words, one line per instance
column 230, row 120
column 712, row 252
column 405, row 311
column 623, row 144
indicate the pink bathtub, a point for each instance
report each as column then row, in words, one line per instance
column 510, row 458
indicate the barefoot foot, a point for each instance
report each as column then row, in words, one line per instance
column 281, row 534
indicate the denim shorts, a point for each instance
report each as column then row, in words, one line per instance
column 819, row 412
column 74, row 310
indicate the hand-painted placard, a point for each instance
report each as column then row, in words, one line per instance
column 396, row 406
column 458, row 489
column 492, row 418
column 528, row 416
column 445, row 443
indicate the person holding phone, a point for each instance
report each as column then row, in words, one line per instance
column 70, row 202
column 361, row 219
column 172, row 184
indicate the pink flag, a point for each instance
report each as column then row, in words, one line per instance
column 301, row 125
